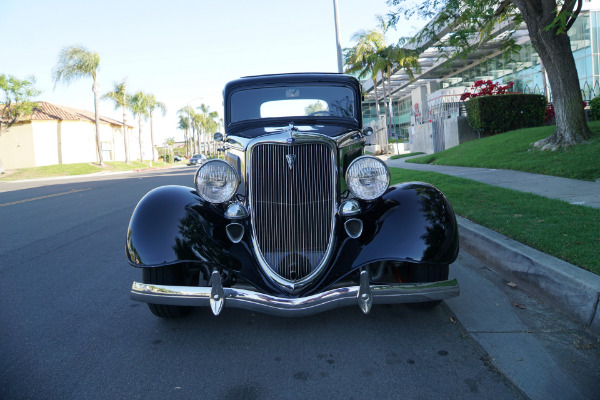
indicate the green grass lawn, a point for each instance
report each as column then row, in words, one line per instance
column 77, row 169
column 565, row 231
column 514, row 150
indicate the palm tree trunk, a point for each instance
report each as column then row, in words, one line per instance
column 199, row 140
column 390, row 105
column 385, row 108
column 152, row 136
column 187, row 144
column 125, row 137
column 97, row 120
column 376, row 98
column 194, row 143
column 140, row 137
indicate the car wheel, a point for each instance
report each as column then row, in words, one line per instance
column 170, row 275
column 419, row 273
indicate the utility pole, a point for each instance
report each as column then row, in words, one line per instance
column 337, row 37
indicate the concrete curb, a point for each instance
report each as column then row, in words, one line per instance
column 571, row 289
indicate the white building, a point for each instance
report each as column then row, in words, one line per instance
column 63, row 135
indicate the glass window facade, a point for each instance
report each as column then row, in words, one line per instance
column 401, row 109
column 524, row 69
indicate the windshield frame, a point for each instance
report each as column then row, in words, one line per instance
column 294, row 81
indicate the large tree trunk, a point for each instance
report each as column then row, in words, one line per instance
column 555, row 52
column 97, row 120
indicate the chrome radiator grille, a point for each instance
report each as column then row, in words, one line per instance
column 292, row 200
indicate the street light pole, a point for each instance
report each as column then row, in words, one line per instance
column 337, row 37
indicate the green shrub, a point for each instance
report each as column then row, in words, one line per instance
column 595, row 108
column 502, row 113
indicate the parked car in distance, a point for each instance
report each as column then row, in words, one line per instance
column 177, row 158
column 197, row 159
column 295, row 219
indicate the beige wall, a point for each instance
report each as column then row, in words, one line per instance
column 16, row 147
column 40, row 143
column 78, row 142
column 45, row 146
column 119, row 146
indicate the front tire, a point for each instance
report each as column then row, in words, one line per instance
column 170, row 275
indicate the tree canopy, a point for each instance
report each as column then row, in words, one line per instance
column 16, row 101
column 76, row 62
column 457, row 27
column 152, row 104
column 120, row 98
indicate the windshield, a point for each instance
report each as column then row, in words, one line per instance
column 292, row 101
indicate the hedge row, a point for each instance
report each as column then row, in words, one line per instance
column 595, row 108
column 502, row 113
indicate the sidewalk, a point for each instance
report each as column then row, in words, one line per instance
column 570, row 190
column 568, row 287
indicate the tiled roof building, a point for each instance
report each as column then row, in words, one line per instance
column 55, row 134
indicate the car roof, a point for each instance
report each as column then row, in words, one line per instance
column 293, row 78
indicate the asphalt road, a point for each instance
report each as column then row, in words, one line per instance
column 68, row 329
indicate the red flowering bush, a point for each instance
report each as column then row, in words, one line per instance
column 486, row 88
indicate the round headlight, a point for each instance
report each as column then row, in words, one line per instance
column 367, row 177
column 216, row 181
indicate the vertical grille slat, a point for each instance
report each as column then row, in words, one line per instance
column 292, row 208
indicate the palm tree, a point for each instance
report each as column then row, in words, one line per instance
column 393, row 58
column 138, row 104
column 121, row 99
column 209, row 123
column 361, row 58
column 152, row 105
column 197, row 121
column 188, row 113
column 184, row 125
column 75, row 62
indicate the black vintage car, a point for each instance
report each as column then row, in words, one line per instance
column 296, row 219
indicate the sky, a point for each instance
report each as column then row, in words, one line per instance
column 183, row 52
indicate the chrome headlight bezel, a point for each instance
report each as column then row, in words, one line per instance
column 229, row 188
column 356, row 183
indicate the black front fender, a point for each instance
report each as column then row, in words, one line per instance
column 171, row 224
column 412, row 222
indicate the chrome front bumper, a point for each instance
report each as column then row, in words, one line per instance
column 364, row 296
